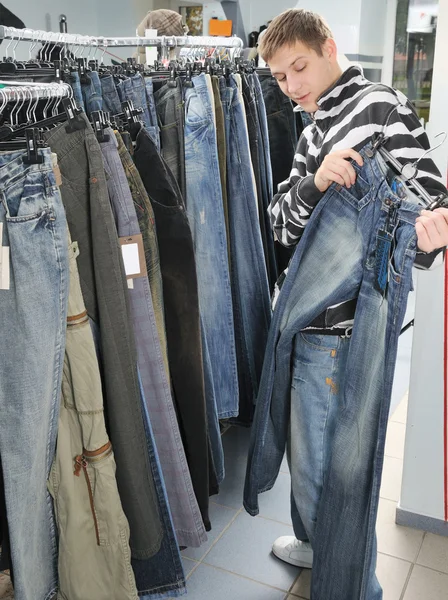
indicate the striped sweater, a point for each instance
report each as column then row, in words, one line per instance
column 349, row 114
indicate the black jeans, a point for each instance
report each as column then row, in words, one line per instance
column 103, row 283
column 285, row 128
column 171, row 116
column 182, row 317
column 256, row 150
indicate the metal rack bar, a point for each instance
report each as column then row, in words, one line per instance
column 30, row 35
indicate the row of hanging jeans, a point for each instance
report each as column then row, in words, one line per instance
column 357, row 265
column 130, row 451
column 201, row 130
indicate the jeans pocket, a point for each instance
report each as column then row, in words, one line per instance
column 325, row 343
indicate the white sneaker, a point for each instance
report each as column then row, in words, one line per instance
column 294, row 552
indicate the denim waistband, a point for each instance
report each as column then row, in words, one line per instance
column 202, row 90
column 374, row 172
column 108, row 84
column 12, row 165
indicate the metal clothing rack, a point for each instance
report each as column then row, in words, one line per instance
column 70, row 39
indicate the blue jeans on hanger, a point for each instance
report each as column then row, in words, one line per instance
column 331, row 265
column 75, row 83
column 251, row 298
column 91, row 93
column 153, row 129
column 206, row 216
column 111, row 99
column 33, row 321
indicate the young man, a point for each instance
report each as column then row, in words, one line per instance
column 346, row 111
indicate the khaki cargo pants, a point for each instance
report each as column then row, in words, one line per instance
column 94, row 554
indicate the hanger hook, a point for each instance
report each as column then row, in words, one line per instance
column 11, row 32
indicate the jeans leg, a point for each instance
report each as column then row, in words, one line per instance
column 316, row 402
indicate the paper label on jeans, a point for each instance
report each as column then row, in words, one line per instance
column 130, row 284
column 57, row 175
column 5, row 279
column 133, row 256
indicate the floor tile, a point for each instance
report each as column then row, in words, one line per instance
column 434, row 553
column 401, row 413
column 426, row 584
column 245, row 549
column 220, row 517
column 236, row 447
column 6, row 591
column 208, row 583
column 392, row 574
column 189, row 566
column 302, row 585
column 400, row 542
column 284, row 466
column 276, row 503
column 396, row 433
column 392, row 476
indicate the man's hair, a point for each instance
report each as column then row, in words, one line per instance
column 295, row 25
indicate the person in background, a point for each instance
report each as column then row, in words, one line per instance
column 166, row 22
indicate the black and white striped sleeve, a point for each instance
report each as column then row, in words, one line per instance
column 296, row 199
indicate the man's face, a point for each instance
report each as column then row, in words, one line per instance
column 303, row 75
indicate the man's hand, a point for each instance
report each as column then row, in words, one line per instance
column 335, row 168
column 432, row 229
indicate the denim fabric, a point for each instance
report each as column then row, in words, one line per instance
column 103, row 283
column 317, row 383
column 147, row 223
column 285, row 128
column 283, row 134
column 214, row 430
column 251, row 300
column 344, row 539
column 75, row 83
column 91, row 93
column 134, row 89
column 171, row 118
column 163, row 576
column 156, row 388
column 33, row 315
column 222, row 151
column 111, row 101
column 153, row 129
column 206, row 216
column 257, row 148
column 180, row 292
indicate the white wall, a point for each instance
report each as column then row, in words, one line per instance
column 372, row 27
column 44, row 14
column 343, row 17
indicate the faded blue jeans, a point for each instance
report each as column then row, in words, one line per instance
column 206, row 216
column 251, row 299
column 33, row 313
column 333, row 264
